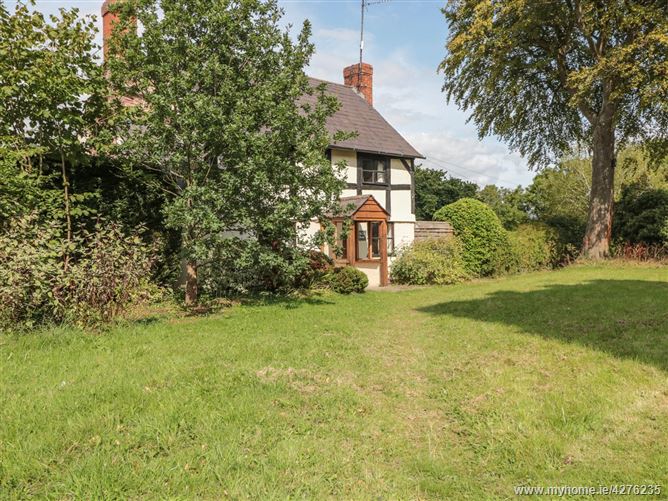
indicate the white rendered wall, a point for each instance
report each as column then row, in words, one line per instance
column 372, row 271
column 399, row 173
column 404, row 234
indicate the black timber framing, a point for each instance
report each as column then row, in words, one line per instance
column 398, row 187
column 358, row 186
column 388, row 188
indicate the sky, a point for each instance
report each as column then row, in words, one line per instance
column 405, row 42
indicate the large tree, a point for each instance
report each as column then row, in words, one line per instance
column 550, row 75
column 214, row 90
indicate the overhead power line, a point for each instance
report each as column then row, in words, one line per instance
column 465, row 173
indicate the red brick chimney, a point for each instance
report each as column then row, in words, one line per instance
column 360, row 80
column 108, row 19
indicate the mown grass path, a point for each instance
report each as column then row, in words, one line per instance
column 555, row 378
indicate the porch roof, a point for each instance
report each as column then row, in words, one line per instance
column 351, row 206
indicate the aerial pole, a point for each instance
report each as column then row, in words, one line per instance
column 364, row 4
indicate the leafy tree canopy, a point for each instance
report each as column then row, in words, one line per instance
column 508, row 204
column 52, row 95
column 212, row 92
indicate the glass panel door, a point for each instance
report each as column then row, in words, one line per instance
column 362, row 241
column 374, row 230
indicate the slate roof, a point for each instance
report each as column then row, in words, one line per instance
column 374, row 133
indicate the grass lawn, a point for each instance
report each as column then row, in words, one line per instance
column 461, row 392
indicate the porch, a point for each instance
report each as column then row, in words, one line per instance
column 366, row 245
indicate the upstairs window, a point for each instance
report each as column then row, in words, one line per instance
column 374, row 168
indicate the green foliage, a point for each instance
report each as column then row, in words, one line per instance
column 481, row 232
column 541, row 74
column 243, row 265
column 533, row 247
column 319, row 264
column 559, row 197
column 23, row 189
column 642, row 215
column 634, row 165
column 431, row 262
column 546, row 77
column 106, row 270
column 346, row 280
column 52, row 90
column 509, row 205
column 53, row 95
column 434, row 189
column 223, row 122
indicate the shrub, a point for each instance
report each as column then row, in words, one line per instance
column 346, row 280
column 106, row 270
column 318, row 265
column 481, row 232
column 640, row 251
column 533, row 246
column 244, row 265
column 111, row 269
column 437, row 261
column 641, row 215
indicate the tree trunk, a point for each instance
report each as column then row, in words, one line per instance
column 190, row 278
column 596, row 243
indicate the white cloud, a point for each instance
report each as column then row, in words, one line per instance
column 483, row 162
column 337, row 34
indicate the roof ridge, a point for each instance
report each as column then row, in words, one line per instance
column 330, row 82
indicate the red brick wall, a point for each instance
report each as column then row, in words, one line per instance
column 351, row 77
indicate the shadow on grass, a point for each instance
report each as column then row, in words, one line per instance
column 624, row 318
column 287, row 301
column 158, row 313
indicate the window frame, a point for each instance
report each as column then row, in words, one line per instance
column 380, row 160
column 340, row 242
column 390, row 239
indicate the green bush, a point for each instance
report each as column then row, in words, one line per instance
column 438, row 261
column 319, row 264
column 346, row 280
column 106, row 270
column 533, row 246
column 236, row 265
column 641, row 215
column 483, row 237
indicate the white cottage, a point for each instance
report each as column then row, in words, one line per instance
column 380, row 192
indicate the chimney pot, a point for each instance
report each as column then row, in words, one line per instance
column 361, row 79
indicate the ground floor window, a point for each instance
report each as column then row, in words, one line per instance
column 390, row 239
column 340, row 251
